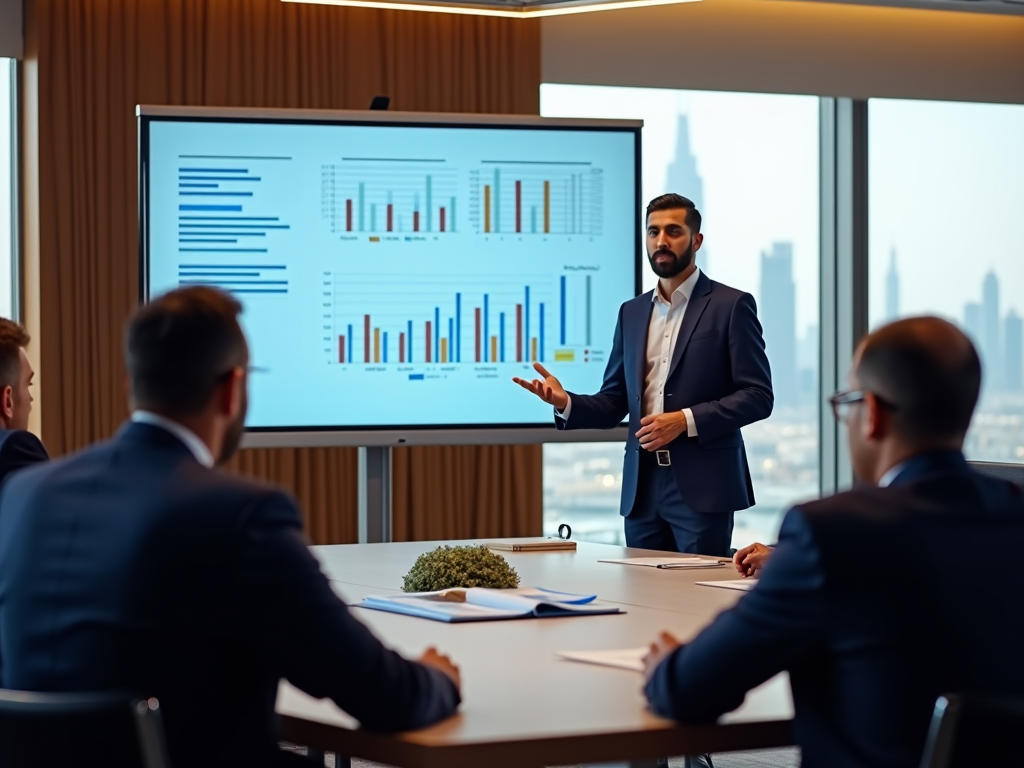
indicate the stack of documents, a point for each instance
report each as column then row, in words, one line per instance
column 670, row 563
column 477, row 604
column 622, row 658
column 533, row 545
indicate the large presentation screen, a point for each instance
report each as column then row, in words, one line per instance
column 395, row 271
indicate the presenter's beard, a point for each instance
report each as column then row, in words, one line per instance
column 677, row 266
column 233, row 435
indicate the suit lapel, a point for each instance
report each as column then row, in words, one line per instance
column 641, row 325
column 695, row 308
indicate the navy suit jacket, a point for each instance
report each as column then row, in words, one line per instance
column 719, row 371
column 19, row 449
column 864, row 603
column 130, row 566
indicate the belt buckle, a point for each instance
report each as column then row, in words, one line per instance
column 664, row 458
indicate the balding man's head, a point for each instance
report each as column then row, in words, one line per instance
column 928, row 372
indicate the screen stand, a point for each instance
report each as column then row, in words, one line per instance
column 374, row 494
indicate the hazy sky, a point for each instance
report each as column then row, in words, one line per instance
column 757, row 155
column 947, row 192
column 5, row 188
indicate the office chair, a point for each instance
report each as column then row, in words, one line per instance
column 974, row 731
column 84, row 730
column 1012, row 472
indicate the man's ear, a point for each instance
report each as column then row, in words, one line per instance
column 876, row 418
column 230, row 394
column 697, row 240
column 7, row 403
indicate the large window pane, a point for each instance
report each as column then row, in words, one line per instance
column 750, row 162
column 7, row 186
column 946, row 196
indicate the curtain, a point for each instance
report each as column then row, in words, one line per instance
column 90, row 63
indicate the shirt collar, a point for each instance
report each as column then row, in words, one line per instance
column 191, row 440
column 891, row 475
column 685, row 290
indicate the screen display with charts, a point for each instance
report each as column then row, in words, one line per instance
column 397, row 273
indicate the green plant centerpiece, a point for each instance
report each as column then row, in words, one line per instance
column 449, row 567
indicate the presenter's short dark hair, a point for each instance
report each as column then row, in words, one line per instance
column 672, row 201
column 928, row 371
column 180, row 346
column 13, row 337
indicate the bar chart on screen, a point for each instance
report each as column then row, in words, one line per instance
column 525, row 197
column 374, row 196
column 457, row 321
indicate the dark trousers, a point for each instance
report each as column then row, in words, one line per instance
column 662, row 520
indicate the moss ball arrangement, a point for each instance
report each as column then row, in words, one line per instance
column 448, row 567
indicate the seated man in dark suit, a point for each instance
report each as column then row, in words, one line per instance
column 18, row 447
column 880, row 599
column 136, row 565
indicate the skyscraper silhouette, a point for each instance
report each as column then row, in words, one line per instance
column 682, row 177
column 778, row 315
column 892, row 290
column 991, row 351
column 1013, row 357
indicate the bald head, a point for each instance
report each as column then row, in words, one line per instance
column 928, row 373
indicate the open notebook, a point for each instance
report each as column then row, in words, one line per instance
column 476, row 604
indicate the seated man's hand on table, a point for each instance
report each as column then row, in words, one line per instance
column 439, row 661
column 751, row 559
column 657, row 653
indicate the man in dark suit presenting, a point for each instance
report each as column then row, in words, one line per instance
column 867, row 599
column 688, row 367
column 19, row 448
column 137, row 566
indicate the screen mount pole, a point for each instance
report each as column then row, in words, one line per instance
column 374, row 494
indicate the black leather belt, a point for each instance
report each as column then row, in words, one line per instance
column 657, row 458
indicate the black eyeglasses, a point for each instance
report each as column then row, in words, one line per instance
column 842, row 403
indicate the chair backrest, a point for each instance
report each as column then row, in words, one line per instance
column 1012, row 472
column 80, row 729
column 975, row 731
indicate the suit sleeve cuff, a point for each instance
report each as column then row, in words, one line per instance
column 564, row 415
column 691, row 425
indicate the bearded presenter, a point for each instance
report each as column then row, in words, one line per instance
column 688, row 367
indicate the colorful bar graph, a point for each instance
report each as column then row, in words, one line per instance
column 401, row 347
column 526, row 314
column 348, row 215
column 384, row 347
column 541, row 333
column 376, row 345
column 341, row 349
column 494, row 347
column 533, row 349
column 408, row 340
column 442, row 219
column 415, row 221
column 487, row 328
column 457, row 338
column 391, row 217
column 444, row 350
column 501, row 334
column 428, row 338
column 349, row 343
column 366, row 338
column 437, row 333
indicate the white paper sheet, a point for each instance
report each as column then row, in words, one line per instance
column 744, row 585
column 623, row 658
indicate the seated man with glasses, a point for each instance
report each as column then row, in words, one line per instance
column 137, row 565
column 880, row 599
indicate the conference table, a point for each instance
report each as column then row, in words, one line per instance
column 522, row 705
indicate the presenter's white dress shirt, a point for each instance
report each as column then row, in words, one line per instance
column 662, row 333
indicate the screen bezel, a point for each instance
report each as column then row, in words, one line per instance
column 362, row 435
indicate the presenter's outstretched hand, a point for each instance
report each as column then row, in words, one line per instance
column 549, row 390
column 656, row 654
column 431, row 658
column 658, row 431
column 751, row 559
